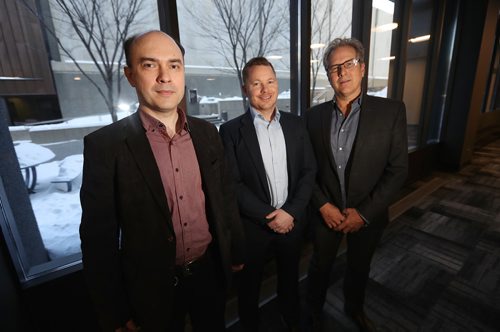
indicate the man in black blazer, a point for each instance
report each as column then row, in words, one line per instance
column 273, row 166
column 361, row 149
column 160, row 227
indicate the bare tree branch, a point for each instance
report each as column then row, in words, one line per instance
column 325, row 26
column 242, row 28
column 100, row 26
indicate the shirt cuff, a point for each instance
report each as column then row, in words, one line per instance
column 367, row 223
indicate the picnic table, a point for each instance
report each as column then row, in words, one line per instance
column 31, row 155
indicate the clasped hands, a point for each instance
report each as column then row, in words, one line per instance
column 346, row 221
column 281, row 221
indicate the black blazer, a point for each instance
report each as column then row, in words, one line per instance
column 243, row 152
column 128, row 240
column 378, row 164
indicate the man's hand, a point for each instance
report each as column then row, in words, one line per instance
column 331, row 215
column 237, row 268
column 129, row 327
column 281, row 221
column 352, row 222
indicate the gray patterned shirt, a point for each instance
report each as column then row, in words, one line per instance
column 342, row 136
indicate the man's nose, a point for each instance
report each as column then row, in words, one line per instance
column 164, row 75
column 340, row 71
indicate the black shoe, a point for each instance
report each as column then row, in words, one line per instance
column 313, row 323
column 290, row 326
column 362, row 321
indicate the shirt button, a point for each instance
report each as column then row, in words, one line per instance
column 181, row 197
column 341, row 130
column 340, row 149
column 340, row 166
column 185, row 224
column 170, row 239
column 187, row 249
column 176, row 169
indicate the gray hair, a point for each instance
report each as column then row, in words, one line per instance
column 342, row 42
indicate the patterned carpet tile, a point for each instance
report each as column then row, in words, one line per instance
column 446, row 255
column 482, row 271
column 413, row 280
column 463, row 308
column 478, row 212
column 439, row 224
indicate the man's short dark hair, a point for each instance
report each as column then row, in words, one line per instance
column 257, row 61
column 341, row 42
column 127, row 45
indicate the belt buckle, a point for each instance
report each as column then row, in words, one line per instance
column 186, row 269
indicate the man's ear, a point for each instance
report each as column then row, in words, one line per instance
column 130, row 75
column 244, row 90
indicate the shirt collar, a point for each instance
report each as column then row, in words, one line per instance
column 357, row 101
column 150, row 123
column 356, row 104
column 255, row 114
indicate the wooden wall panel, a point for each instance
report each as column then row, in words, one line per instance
column 22, row 52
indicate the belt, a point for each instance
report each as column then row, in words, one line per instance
column 188, row 269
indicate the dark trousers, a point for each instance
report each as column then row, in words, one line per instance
column 200, row 295
column 261, row 245
column 360, row 248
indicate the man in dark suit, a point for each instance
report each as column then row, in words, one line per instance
column 361, row 149
column 160, row 227
column 273, row 166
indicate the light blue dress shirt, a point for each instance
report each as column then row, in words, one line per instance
column 273, row 150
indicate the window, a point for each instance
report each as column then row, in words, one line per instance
column 216, row 51
column 329, row 20
column 48, row 108
column 418, row 49
column 382, row 28
column 492, row 98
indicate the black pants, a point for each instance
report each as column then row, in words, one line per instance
column 201, row 296
column 360, row 248
column 261, row 245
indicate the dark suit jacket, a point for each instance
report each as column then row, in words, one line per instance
column 128, row 240
column 243, row 151
column 378, row 163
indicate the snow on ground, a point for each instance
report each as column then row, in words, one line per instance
column 57, row 211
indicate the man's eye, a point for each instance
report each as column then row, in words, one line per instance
column 148, row 65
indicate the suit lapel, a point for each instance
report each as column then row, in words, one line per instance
column 365, row 119
column 143, row 155
column 249, row 136
column 290, row 141
column 326, row 126
column 359, row 159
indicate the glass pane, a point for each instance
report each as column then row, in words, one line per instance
column 382, row 27
column 416, row 65
column 329, row 19
column 47, row 126
column 443, row 75
column 219, row 38
column 492, row 98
